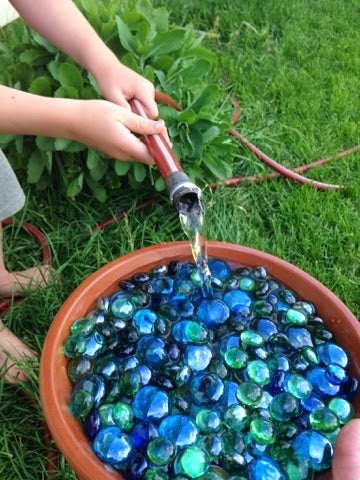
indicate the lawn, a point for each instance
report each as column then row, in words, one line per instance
column 294, row 67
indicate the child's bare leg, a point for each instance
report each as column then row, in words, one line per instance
column 11, row 347
column 14, row 283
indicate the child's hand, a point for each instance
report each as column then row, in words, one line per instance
column 107, row 127
column 119, row 83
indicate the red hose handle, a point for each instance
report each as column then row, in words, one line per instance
column 159, row 149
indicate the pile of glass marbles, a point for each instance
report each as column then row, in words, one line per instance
column 243, row 383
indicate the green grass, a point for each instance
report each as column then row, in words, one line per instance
column 294, row 67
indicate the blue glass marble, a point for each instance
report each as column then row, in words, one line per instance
column 265, row 468
column 206, row 388
column 299, row 337
column 163, row 284
column 198, row 357
column 135, row 467
column 144, row 320
column 229, row 395
column 236, row 300
column 92, row 425
column 94, row 345
column 314, row 448
column 112, row 446
column 312, row 402
column 142, row 434
column 266, row 327
column 332, row 353
column 150, row 403
column 212, row 313
column 336, row 374
column 151, row 350
column 219, row 269
column 179, row 429
column 321, row 385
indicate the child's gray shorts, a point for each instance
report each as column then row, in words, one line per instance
column 12, row 197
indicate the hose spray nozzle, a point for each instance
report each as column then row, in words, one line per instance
column 184, row 194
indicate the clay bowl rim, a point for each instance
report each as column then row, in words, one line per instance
column 55, row 387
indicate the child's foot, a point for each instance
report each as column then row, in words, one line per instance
column 15, row 283
column 11, row 347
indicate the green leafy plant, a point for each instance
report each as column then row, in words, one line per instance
column 172, row 58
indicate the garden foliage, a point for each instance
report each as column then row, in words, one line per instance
column 142, row 37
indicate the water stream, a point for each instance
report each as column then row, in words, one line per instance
column 191, row 214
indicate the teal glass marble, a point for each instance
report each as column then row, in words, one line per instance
column 296, row 317
column 342, row 408
column 297, row 385
column 123, row 416
column 284, row 406
column 79, row 367
column 122, row 308
column 235, row 357
column 192, row 462
column 81, row 402
column 249, row 393
column 258, row 372
column 187, row 331
column 82, row 326
column 74, row 346
column 236, row 417
column 161, row 451
column 265, row 469
column 212, row 444
column 144, row 320
column 208, row 420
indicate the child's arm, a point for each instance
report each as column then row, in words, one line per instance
column 100, row 124
column 60, row 22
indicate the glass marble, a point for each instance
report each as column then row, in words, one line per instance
column 342, row 408
column 332, row 353
column 262, row 430
column 187, row 331
column 296, row 317
column 212, row 313
column 150, row 403
column 323, row 420
column 122, row 308
column 192, row 462
column 83, row 326
column 249, row 393
column 258, row 372
column 314, row 448
column 206, row 388
column 79, row 367
column 284, row 406
column 112, row 446
column 161, row 451
column 198, row 357
column 123, row 416
column 179, row 429
column 236, row 417
column 321, row 385
column 251, row 338
column 208, row 420
column 144, row 320
column 265, row 468
column 297, row 385
column 236, row 300
column 235, row 357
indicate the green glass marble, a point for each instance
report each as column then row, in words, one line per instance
column 310, row 355
column 74, row 346
column 106, row 414
column 323, row 420
column 342, row 408
column 208, row 420
column 236, row 417
column 196, row 333
column 247, row 284
column 156, row 473
column 296, row 317
column 233, row 442
column 281, row 450
column 192, row 462
column 249, row 393
column 258, row 372
column 83, row 326
column 261, row 307
column 235, row 357
column 262, row 431
column 298, row 385
column 81, row 403
column 161, row 451
column 284, row 406
column 123, row 415
column 251, row 338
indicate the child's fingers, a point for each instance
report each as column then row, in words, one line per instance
column 346, row 460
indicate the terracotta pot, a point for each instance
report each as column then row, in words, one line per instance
column 55, row 387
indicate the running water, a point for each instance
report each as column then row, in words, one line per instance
column 191, row 216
